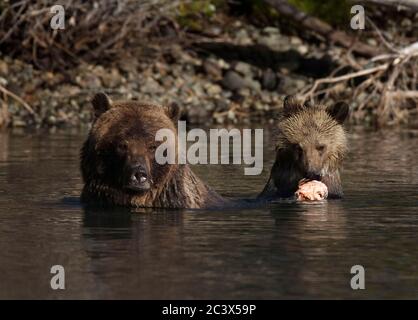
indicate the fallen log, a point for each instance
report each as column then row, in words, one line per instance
column 399, row 4
column 324, row 29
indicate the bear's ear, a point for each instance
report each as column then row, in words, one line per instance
column 339, row 111
column 101, row 103
column 173, row 111
column 291, row 105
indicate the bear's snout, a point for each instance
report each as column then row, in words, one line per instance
column 139, row 178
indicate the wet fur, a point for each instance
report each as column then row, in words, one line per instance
column 306, row 125
column 174, row 186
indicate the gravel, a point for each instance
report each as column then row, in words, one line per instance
column 209, row 88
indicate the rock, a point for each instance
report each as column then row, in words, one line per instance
column 111, row 79
column 233, row 81
column 226, row 94
column 242, row 37
column 167, row 81
column 197, row 114
column 187, row 58
column 231, row 115
column 18, row 123
column 52, row 120
column 295, row 41
column 266, row 98
column 219, row 119
column 212, row 69
column 245, row 92
column 270, row 41
column 237, row 24
column 258, row 106
column 197, row 89
column 213, row 31
column 4, row 69
column 89, row 80
column 300, row 84
column 406, row 23
column 269, row 80
column 253, row 84
column 270, row 30
column 221, row 105
column 372, row 42
column 223, row 64
column 302, row 49
column 128, row 65
column 150, row 86
column 213, row 89
column 243, row 68
column 293, row 85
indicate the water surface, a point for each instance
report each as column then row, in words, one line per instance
column 284, row 250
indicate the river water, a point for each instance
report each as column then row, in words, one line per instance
column 283, row 250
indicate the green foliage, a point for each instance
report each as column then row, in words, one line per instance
column 333, row 11
column 262, row 11
column 192, row 13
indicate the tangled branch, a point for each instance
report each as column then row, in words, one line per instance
column 17, row 99
column 93, row 29
column 391, row 78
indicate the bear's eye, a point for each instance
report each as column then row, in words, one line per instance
column 320, row 148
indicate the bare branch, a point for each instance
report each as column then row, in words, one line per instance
column 17, row 98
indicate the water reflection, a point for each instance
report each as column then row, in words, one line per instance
column 4, row 146
column 281, row 250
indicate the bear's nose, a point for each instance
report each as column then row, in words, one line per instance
column 138, row 173
column 139, row 177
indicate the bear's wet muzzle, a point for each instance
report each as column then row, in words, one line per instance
column 139, row 179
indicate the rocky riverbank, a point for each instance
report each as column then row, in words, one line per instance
column 239, row 76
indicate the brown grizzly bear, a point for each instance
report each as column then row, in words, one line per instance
column 311, row 144
column 118, row 160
